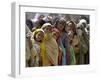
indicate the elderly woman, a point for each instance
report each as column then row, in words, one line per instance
column 51, row 46
column 84, row 38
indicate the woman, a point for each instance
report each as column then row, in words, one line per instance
column 72, row 53
column 74, row 42
column 63, row 41
column 37, row 47
column 56, row 35
column 51, row 55
column 84, row 38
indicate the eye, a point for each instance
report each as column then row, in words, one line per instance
column 40, row 35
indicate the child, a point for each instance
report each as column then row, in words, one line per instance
column 63, row 40
column 37, row 40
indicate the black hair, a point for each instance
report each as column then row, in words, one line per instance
column 60, row 20
column 29, row 24
column 39, row 23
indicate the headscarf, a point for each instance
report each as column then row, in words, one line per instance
column 42, row 46
column 47, row 35
column 36, row 31
column 51, row 46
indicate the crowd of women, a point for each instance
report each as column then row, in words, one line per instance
column 57, row 43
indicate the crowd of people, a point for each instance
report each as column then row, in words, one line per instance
column 56, row 42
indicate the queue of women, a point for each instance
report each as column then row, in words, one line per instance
column 61, row 43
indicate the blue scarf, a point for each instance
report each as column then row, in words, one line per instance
column 63, row 61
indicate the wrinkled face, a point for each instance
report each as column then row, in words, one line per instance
column 39, row 36
column 60, row 26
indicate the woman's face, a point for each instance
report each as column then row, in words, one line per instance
column 60, row 26
column 48, row 29
column 70, row 27
column 39, row 36
column 55, row 35
column 70, row 35
column 67, row 29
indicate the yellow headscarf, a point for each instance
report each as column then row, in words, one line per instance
column 36, row 31
column 47, row 35
column 42, row 46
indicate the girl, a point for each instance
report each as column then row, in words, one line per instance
column 37, row 42
column 72, row 53
column 63, row 40
column 74, row 43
